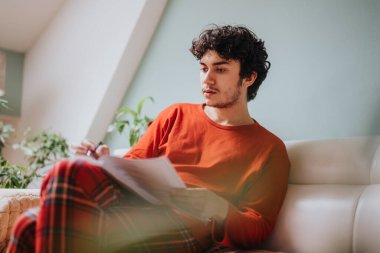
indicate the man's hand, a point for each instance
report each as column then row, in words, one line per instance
column 90, row 149
column 201, row 202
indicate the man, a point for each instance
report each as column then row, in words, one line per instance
column 236, row 171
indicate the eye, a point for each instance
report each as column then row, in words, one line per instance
column 204, row 69
column 220, row 70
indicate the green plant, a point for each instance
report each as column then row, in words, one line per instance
column 43, row 148
column 5, row 129
column 133, row 119
column 14, row 176
column 40, row 150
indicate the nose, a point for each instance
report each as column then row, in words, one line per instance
column 207, row 77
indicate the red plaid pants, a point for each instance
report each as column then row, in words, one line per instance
column 83, row 210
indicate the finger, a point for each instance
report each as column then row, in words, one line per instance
column 78, row 150
column 102, row 150
column 88, row 144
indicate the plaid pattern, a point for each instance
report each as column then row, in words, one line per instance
column 83, row 210
column 146, row 230
column 24, row 235
column 222, row 249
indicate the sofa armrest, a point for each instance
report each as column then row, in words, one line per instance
column 13, row 202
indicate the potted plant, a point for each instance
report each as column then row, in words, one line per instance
column 39, row 150
column 134, row 120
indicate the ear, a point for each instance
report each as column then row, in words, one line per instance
column 248, row 81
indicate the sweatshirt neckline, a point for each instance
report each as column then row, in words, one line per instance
column 240, row 127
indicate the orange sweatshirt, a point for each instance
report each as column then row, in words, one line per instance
column 247, row 165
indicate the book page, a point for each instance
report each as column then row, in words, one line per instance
column 151, row 178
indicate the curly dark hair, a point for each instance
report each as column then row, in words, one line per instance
column 236, row 43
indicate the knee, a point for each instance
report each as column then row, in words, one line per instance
column 71, row 168
column 67, row 167
column 25, row 222
column 59, row 171
column 23, row 231
column 75, row 172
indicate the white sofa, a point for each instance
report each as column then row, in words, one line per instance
column 333, row 200
column 332, row 204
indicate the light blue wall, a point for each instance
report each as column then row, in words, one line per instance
column 13, row 82
column 325, row 75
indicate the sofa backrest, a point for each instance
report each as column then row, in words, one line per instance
column 333, row 199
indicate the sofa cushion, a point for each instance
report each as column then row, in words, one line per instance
column 366, row 228
column 316, row 218
column 332, row 203
column 342, row 161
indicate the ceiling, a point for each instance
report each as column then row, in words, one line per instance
column 22, row 21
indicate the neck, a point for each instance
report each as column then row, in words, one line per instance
column 235, row 115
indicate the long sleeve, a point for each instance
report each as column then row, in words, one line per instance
column 155, row 137
column 252, row 219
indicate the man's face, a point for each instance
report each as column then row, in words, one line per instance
column 221, row 84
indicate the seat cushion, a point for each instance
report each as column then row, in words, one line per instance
column 13, row 202
column 366, row 229
column 316, row 218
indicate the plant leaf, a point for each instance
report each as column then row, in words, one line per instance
column 125, row 111
column 142, row 102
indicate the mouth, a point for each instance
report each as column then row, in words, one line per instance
column 208, row 92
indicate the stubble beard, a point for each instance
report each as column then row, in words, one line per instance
column 233, row 99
